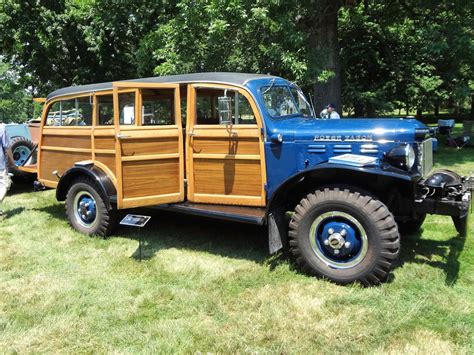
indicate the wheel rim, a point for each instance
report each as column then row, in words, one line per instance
column 85, row 209
column 338, row 239
column 20, row 154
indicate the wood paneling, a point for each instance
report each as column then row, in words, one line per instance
column 108, row 160
column 60, row 161
column 151, row 177
column 149, row 146
column 227, row 145
column 227, row 177
column 103, row 142
column 71, row 141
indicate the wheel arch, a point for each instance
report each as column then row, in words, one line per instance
column 372, row 180
column 104, row 182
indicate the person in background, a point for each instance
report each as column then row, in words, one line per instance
column 330, row 112
column 5, row 154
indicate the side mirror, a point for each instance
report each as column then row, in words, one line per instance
column 225, row 110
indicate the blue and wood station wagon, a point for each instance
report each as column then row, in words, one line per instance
column 248, row 148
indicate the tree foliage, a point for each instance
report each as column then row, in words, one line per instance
column 15, row 101
column 380, row 55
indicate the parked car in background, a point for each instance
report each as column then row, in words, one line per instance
column 23, row 149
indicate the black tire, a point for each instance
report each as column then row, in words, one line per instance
column 103, row 221
column 412, row 225
column 21, row 147
column 369, row 217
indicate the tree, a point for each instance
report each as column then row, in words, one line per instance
column 15, row 103
column 410, row 54
column 59, row 43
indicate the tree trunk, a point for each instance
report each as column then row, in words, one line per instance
column 436, row 112
column 359, row 110
column 472, row 106
column 419, row 112
column 324, row 53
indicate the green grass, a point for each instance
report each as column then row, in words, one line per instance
column 209, row 286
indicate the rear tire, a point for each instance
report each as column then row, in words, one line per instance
column 86, row 209
column 344, row 236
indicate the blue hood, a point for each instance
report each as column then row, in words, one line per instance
column 304, row 129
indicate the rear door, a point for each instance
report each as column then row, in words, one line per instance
column 149, row 144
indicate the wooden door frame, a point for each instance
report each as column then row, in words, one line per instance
column 119, row 87
column 191, row 123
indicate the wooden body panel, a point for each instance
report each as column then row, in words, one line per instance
column 149, row 159
column 224, row 164
column 60, row 148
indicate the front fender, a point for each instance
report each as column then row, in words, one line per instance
column 104, row 182
column 344, row 172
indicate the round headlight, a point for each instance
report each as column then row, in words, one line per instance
column 402, row 157
column 411, row 156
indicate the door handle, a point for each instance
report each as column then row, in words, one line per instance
column 192, row 134
column 121, row 136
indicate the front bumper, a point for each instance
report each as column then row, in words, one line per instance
column 445, row 193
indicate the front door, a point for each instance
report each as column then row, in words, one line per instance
column 149, row 144
column 225, row 162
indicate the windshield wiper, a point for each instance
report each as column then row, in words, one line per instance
column 271, row 85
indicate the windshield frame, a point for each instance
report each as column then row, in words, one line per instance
column 271, row 86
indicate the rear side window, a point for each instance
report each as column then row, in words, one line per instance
column 72, row 112
column 105, row 110
column 157, row 107
column 127, row 108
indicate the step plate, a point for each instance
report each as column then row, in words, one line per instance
column 251, row 215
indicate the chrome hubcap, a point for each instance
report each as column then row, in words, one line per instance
column 338, row 239
column 20, row 154
column 85, row 209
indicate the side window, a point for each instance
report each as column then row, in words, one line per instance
column 243, row 111
column 54, row 114
column 72, row 112
column 208, row 110
column 127, row 108
column 105, row 110
column 84, row 107
column 157, row 107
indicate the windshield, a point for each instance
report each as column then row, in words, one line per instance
column 284, row 101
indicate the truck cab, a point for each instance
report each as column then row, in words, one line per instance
column 249, row 148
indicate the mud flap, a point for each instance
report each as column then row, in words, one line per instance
column 277, row 230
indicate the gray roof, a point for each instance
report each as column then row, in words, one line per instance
column 239, row 79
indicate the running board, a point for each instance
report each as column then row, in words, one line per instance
column 251, row 215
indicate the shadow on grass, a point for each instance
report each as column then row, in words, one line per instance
column 167, row 230
column 423, row 251
column 56, row 211
column 20, row 188
column 14, row 212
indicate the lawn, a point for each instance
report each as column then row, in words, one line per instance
column 210, row 286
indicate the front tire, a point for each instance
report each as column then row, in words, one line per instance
column 86, row 210
column 344, row 236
